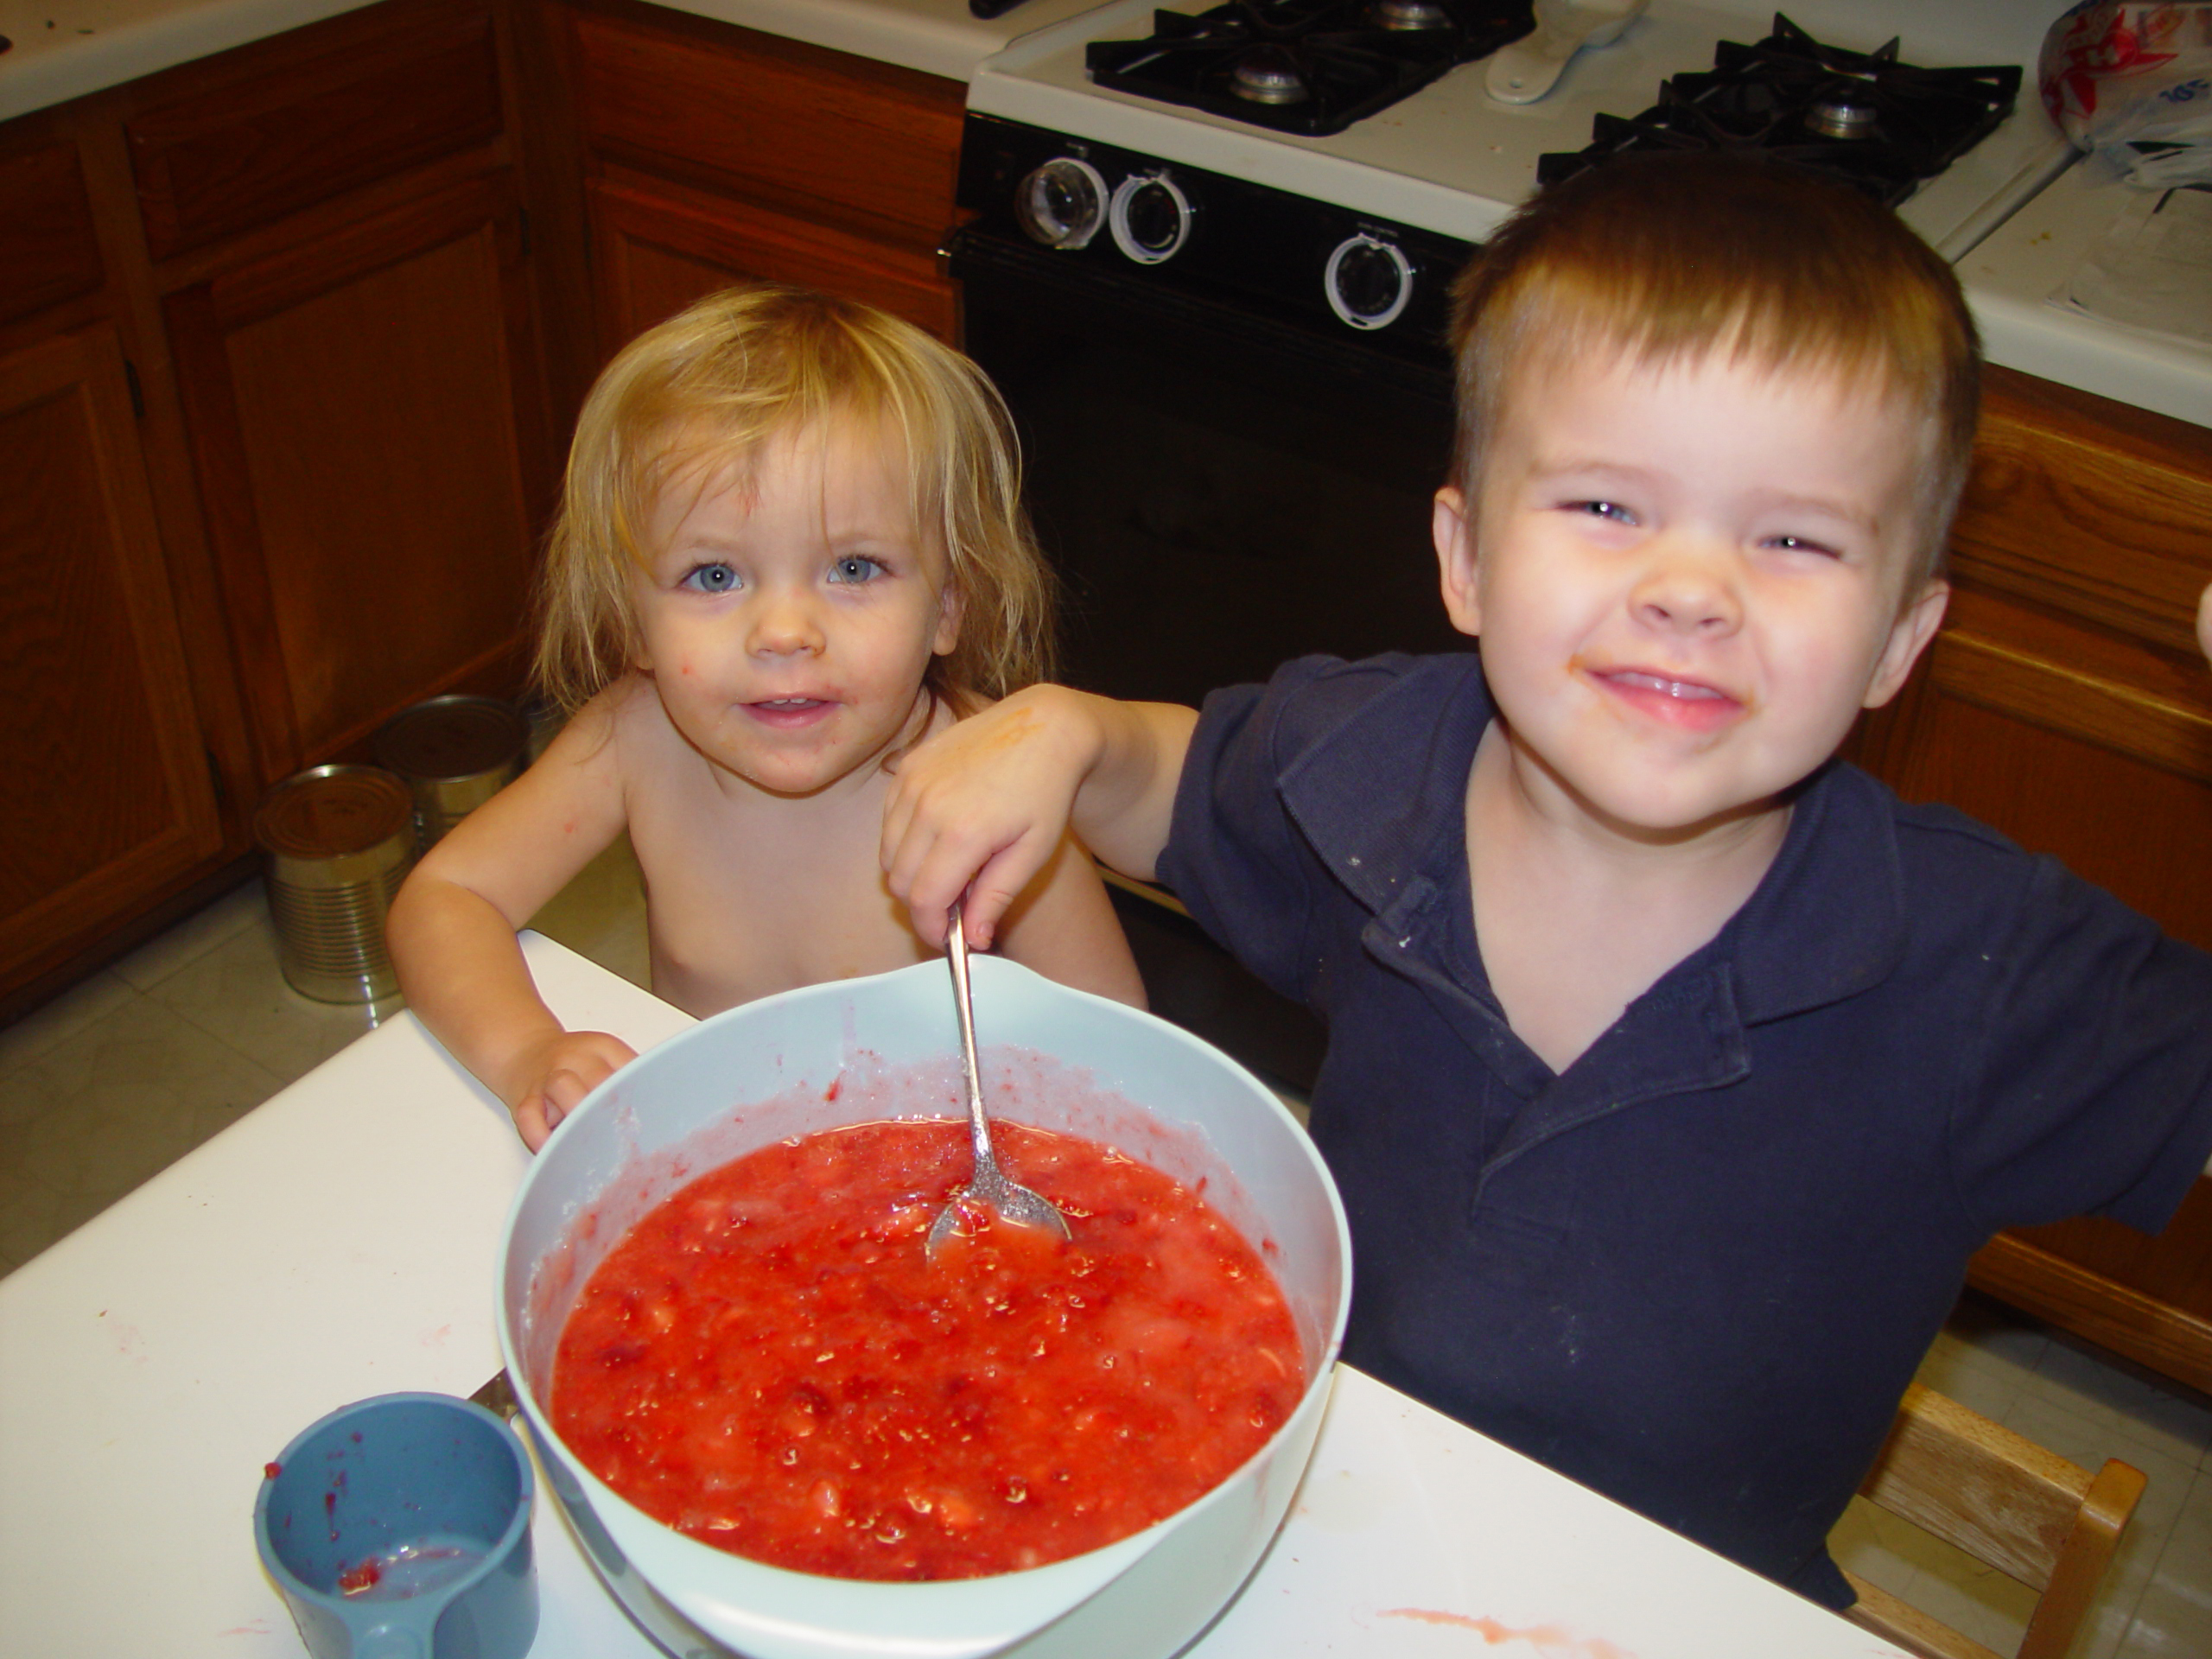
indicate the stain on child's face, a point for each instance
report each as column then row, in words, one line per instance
column 790, row 608
column 1689, row 580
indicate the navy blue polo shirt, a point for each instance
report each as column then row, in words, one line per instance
column 1696, row 1271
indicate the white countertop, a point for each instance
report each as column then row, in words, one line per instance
column 65, row 48
column 2010, row 277
column 339, row 1242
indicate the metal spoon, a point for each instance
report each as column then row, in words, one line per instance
column 988, row 1184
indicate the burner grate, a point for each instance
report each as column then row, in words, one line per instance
column 1861, row 118
column 1306, row 67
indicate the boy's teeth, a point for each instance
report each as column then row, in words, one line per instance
column 1668, row 688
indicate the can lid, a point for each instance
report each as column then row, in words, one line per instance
column 452, row 737
column 332, row 811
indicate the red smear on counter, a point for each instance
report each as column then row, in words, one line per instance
column 771, row 1363
column 1550, row 1640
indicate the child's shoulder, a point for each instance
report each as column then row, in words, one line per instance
column 615, row 722
column 1963, row 884
column 1376, row 704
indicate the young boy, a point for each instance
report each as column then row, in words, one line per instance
column 1674, row 1072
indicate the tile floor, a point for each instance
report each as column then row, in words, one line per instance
column 108, row 1085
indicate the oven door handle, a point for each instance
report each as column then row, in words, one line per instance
column 977, row 250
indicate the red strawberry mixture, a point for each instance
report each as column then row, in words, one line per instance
column 771, row 1363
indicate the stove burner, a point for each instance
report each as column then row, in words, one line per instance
column 1838, row 118
column 1409, row 14
column 1323, row 64
column 1268, row 74
column 1861, row 118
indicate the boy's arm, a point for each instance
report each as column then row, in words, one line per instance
column 984, row 806
column 452, row 928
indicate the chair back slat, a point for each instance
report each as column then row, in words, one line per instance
column 1996, row 1495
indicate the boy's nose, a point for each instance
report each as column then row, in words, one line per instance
column 1688, row 589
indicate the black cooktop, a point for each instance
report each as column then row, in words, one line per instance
column 1306, row 67
column 1862, row 117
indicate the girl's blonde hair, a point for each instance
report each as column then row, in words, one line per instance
column 710, row 386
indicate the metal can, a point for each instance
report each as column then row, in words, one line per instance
column 456, row 753
column 339, row 842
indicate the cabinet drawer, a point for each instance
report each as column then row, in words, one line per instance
column 816, row 133
column 239, row 150
column 2092, row 509
column 48, row 251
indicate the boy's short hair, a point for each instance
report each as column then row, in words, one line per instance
column 1667, row 258
column 714, row 383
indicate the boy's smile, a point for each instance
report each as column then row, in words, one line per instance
column 1687, row 580
column 788, row 615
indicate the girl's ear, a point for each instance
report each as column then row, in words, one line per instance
column 952, row 604
column 1455, row 556
column 1909, row 636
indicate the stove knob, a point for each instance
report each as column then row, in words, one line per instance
column 1151, row 218
column 1062, row 203
column 1368, row 281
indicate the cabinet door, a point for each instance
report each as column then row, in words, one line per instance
column 658, row 247
column 364, row 415
column 108, row 786
column 2066, row 703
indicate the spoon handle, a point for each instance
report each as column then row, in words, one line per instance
column 978, row 1128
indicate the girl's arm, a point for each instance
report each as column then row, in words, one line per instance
column 1064, row 926
column 985, row 805
column 452, row 928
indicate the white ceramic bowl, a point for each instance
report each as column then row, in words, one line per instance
column 812, row 1059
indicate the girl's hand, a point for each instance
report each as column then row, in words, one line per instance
column 552, row 1078
column 981, row 808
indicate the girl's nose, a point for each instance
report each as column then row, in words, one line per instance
column 1688, row 588
column 783, row 625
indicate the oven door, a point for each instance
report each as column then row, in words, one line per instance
column 1220, row 489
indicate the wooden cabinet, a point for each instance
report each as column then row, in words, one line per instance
column 278, row 444
column 111, row 783
column 713, row 154
column 2066, row 703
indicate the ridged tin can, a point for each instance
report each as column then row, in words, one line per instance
column 456, row 753
column 339, row 842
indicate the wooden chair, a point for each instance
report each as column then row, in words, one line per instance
column 2006, row 1502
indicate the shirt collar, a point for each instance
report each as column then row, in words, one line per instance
column 1380, row 797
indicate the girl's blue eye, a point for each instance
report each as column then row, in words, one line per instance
column 710, row 579
column 853, row 568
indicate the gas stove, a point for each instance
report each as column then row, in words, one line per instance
column 1421, row 143
column 1306, row 67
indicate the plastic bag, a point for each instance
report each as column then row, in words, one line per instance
column 2119, row 72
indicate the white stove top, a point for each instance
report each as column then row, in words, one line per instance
column 1453, row 160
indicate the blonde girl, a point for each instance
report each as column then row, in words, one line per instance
column 791, row 546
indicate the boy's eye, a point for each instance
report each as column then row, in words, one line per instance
column 1610, row 510
column 1803, row 544
column 853, row 568
column 715, row 578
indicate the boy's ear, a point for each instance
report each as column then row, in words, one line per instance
column 1909, row 636
column 1455, row 556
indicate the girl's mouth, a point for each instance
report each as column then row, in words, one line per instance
column 789, row 711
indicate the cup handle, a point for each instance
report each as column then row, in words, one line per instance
column 388, row 1641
